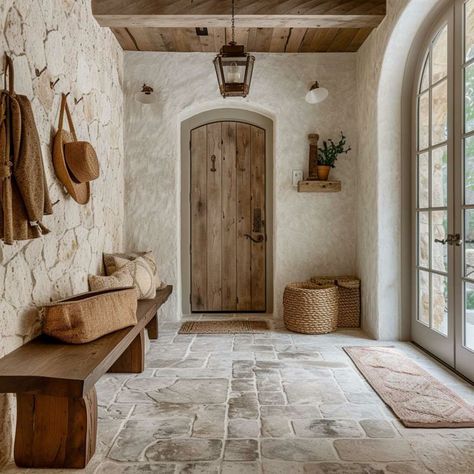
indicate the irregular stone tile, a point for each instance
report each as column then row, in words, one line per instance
column 238, row 428
column 310, row 393
column 109, row 467
column 116, row 411
column 327, row 429
column 298, row 355
column 243, row 385
column 440, row 457
column 231, row 467
column 198, row 468
column 193, row 391
column 281, row 467
column 242, row 369
column 340, row 468
column 137, row 435
column 350, row 410
column 107, row 388
column 253, row 347
column 378, row 428
column 374, row 450
column 276, row 427
column 177, row 363
column 271, row 398
column 269, row 382
column 406, row 468
column 307, row 374
column 366, row 397
column 297, row 450
column 194, row 373
column 260, row 356
column 241, row 450
column 209, row 420
column 243, row 405
column 184, row 450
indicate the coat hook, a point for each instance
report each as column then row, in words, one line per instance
column 53, row 84
column 38, row 72
column 67, row 95
column 77, row 101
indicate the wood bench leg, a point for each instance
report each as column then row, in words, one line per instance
column 152, row 327
column 132, row 361
column 55, row 432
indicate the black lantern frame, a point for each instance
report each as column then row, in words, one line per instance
column 230, row 58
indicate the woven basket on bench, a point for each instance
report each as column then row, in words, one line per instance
column 349, row 299
column 310, row 308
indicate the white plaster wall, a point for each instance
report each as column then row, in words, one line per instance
column 381, row 67
column 313, row 233
column 62, row 35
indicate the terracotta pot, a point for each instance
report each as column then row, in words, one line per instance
column 323, row 172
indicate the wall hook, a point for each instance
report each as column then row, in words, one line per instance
column 67, row 95
column 77, row 101
column 38, row 72
column 53, row 84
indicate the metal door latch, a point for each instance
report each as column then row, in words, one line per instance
column 451, row 239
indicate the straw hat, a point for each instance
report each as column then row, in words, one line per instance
column 75, row 162
column 79, row 191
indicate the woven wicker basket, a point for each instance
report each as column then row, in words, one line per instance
column 349, row 298
column 310, row 308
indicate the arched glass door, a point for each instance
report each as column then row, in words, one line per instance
column 443, row 320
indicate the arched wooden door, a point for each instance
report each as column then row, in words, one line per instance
column 228, row 238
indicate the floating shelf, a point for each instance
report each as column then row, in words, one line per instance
column 319, row 186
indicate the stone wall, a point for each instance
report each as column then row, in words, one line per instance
column 313, row 233
column 62, row 35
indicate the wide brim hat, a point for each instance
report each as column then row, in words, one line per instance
column 79, row 191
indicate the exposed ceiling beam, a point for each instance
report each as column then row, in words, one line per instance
column 249, row 13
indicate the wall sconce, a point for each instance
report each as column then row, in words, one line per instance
column 316, row 94
column 146, row 95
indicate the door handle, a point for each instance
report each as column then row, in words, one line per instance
column 451, row 239
column 213, row 161
column 260, row 238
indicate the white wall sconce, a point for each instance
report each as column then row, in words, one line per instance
column 146, row 95
column 316, row 94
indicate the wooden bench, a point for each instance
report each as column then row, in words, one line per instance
column 54, row 385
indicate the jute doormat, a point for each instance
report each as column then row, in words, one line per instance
column 222, row 327
column 417, row 399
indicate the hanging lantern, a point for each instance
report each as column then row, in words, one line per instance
column 234, row 67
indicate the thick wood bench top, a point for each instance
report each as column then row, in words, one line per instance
column 47, row 366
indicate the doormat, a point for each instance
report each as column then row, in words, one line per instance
column 222, row 327
column 417, row 398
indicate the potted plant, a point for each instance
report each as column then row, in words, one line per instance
column 328, row 154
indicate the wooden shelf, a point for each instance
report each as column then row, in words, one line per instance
column 319, row 186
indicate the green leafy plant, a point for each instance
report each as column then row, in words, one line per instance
column 330, row 151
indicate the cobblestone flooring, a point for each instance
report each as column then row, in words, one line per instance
column 276, row 402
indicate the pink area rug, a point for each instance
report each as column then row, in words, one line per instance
column 417, row 399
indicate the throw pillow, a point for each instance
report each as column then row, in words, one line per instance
column 142, row 275
column 119, row 279
column 149, row 257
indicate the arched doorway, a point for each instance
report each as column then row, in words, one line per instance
column 226, row 224
column 443, row 190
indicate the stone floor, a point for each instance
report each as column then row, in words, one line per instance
column 276, row 402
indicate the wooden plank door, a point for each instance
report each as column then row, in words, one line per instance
column 228, row 237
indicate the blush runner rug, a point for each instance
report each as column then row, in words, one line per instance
column 417, row 399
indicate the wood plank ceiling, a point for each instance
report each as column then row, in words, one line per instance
column 291, row 26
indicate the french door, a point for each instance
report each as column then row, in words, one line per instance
column 443, row 321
